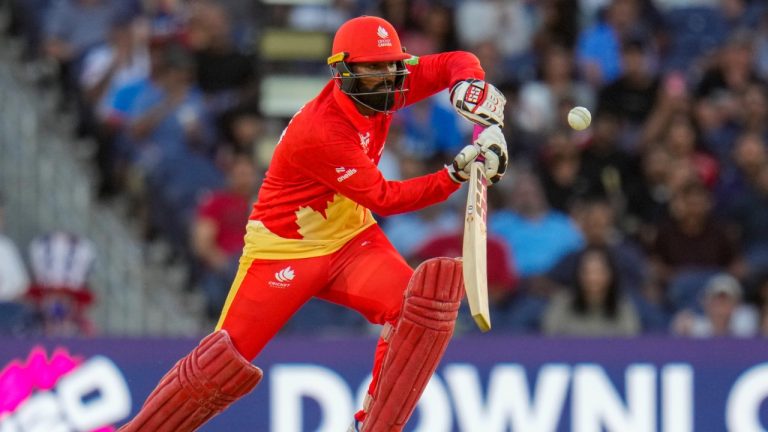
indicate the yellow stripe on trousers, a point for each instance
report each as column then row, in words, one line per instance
column 242, row 270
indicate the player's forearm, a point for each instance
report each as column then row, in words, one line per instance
column 394, row 197
column 437, row 72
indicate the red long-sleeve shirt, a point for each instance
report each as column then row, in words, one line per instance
column 323, row 179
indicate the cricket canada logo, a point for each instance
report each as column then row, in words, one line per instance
column 383, row 34
column 62, row 393
column 283, row 278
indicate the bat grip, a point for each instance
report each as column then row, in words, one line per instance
column 478, row 129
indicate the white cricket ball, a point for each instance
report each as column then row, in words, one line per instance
column 579, row 118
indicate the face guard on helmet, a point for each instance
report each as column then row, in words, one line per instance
column 387, row 96
column 369, row 39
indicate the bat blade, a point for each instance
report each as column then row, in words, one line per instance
column 474, row 248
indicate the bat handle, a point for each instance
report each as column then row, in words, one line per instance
column 478, row 129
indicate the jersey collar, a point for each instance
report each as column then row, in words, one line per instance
column 347, row 105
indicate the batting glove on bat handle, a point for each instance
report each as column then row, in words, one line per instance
column 459, row 168
column 493, row 147
column 479, row 102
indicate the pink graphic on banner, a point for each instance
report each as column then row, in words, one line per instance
column 19, row 380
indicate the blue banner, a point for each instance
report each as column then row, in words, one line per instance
column 484, row 384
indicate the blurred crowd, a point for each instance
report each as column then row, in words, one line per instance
column 653, row 220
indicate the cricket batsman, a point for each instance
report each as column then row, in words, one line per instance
column 312, row 234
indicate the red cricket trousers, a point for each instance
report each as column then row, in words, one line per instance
column 367, row 275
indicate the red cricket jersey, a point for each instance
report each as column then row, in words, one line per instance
column 323, row 181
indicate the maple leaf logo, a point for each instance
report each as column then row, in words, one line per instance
column 340, row 216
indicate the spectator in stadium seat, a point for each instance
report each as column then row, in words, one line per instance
column 166, row 17
column 538, row 235
column 748, row 211
column 502, row 278
column 408, row 231
column 72, row 28
column 597, row 222
column 634, row 93
column 744, row 163
column 218, row 229
column 508, row 25
column 649, row 199
column 559, row 25
column 596, row 304
column 430, row 129
column 123, row 59
column 560, row 170
column 692, row 238
column 598, row 46
column 733, row 70
column 241, row 129
column 226, row 76
column 106, row 69
column 169, row 118
column 609, row 170
column 539, row 100
column 724, row 313
column 684, row 146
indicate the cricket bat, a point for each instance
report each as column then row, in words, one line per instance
column 475, row 265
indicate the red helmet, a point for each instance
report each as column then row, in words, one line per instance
column 367, row 39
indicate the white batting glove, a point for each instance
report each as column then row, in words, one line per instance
column 493, row 147
column 459, row 168
column 479, row 101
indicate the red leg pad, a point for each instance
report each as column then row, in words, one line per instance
column 420, row 338
column 199, row 386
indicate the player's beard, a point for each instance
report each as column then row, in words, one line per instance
column 382, row 100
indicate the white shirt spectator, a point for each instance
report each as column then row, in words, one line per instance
column 508, row 23
column 14, row 280
column 98, row 62
column 724, row 312
column 743, row 323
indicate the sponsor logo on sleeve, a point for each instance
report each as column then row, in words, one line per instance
column 347, row 173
